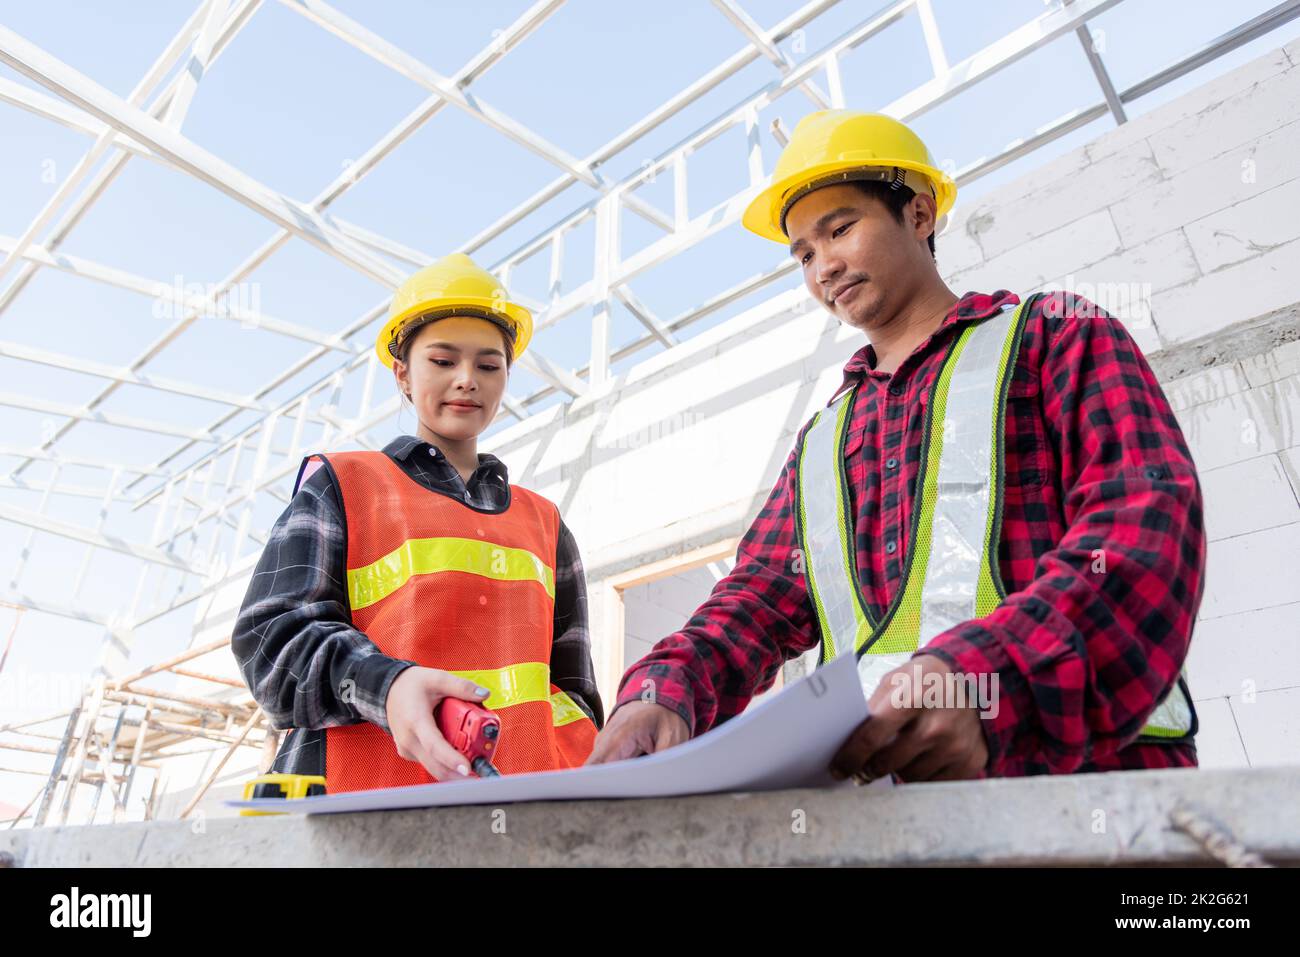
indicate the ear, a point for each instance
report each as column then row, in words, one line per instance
column 401, row 376
column 923, row 215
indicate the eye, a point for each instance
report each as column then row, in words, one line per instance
column 442, row 362
column 489, row 368
column 839, row 230
column 803, row 260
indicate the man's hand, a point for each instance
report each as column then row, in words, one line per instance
column 412, row 698
column 638, row 727
column 918, row 743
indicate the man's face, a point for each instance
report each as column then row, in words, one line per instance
column 857, row 260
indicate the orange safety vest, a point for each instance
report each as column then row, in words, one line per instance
column 434, row 581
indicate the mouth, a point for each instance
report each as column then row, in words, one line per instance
column 847, row 291
column 463, row 406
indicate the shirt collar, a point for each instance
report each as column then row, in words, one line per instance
column 970, row 307
column 404, row 447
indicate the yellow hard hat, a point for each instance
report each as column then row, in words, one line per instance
column 453, row 286
column 837, row 146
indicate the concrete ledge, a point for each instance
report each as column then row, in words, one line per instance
column 1092, row 819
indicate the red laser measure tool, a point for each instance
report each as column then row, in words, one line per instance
column 472, row 730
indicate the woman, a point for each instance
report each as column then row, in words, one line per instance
column 397, row 578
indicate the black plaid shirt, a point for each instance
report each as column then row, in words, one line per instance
column 294, row 638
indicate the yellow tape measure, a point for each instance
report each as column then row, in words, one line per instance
column 281, row 786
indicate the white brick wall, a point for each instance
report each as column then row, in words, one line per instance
column 1193, row 205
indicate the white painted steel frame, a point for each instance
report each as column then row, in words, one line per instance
column 193, row 500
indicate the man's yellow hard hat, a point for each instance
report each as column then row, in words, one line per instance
column 453, row 286
column 837, row 146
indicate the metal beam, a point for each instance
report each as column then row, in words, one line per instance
column 165, row 62
column 57, row 76
column 126, row 149
column 397, row 59
column 1102, row 75
column 58, row 360
column 666, row 111
column 211, row 305
column 46, row 407
column 78, row 533
column 646, row 317
column 60, row 610
column 40, row 455
column 752, row 32
column 507, row 40
column 1252, row 29
column 75, row 491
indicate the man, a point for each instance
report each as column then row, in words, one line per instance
column 998, row 493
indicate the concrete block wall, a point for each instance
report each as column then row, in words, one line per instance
column 660, row 607
column 1181, row 222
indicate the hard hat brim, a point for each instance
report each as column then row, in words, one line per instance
column 763, row 214
column 520, row 318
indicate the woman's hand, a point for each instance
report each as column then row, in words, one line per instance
column 412, row 698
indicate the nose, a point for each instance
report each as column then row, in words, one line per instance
column 830, row 268
column 465, row 377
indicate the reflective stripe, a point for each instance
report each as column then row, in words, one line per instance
column 959, row 506
column 427, row 556
column 873, row 667
column 948, row 554
column 521, row 683
column 1172, row 717
column 564, row 711
column 950, row 572
column 824, row 538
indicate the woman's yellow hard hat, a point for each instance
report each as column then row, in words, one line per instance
column 836, row 146
column 453, row 286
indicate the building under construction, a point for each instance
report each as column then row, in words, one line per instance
column 1180, row 187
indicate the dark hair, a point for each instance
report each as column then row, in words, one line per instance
column 893, row 199
column 407, row 337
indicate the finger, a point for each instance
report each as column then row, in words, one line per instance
column 910, row 746
column 599, row 750
column 956, row 771
column 669, row 733
column 613, row 744
column 842, row 765
column 629, row 743
column 638, row 738
column 454, row 686
column 413, row 753
column 870, row 736
column 928, row 765
column 435, row 750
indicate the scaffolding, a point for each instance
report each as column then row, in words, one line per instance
column 203, row 533
column 163, row 720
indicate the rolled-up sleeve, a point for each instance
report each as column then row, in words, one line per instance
column 1087, row 651
column 301, row 657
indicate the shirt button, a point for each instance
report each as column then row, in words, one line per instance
column 895, row 390
column 891, row 547
column 891, row 464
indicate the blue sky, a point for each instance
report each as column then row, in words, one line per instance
column 290, row 105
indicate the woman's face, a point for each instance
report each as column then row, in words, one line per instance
column 455, row 372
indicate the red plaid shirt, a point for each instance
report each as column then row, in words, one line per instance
column 1096, row 469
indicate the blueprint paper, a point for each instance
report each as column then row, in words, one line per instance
column 786, row 741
